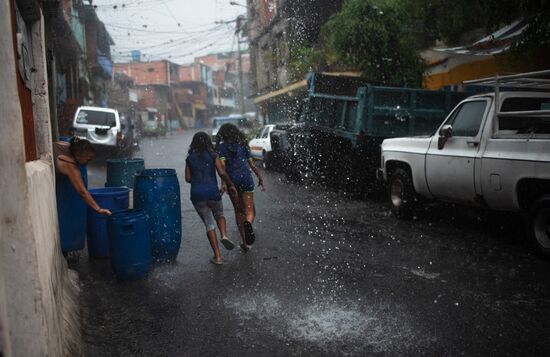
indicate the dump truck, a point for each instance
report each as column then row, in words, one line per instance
column 339, row 129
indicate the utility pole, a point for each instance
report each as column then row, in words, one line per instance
column 240, row 61
column 167, row 119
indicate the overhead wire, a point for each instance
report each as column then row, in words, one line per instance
column 158, row 40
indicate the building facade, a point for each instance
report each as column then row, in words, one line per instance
column 277, row 31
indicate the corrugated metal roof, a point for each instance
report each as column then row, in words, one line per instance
column 496, row 43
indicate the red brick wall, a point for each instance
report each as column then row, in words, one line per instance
column 218, row 78
column 227, row 63
column 185, row 73
column 143, row 73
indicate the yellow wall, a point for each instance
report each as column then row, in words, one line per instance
column 473, row 70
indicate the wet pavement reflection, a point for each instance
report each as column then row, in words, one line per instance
column 328, row 275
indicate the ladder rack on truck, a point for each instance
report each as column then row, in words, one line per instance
column 539, row 81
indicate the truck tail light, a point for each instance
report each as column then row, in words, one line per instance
column 119, row 137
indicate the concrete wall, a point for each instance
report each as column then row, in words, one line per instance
column 38, row 306
column 59, row 289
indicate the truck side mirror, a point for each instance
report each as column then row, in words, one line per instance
column 446, row 131
column 444, row 134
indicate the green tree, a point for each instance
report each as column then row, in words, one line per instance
column 383, row 38
column 378, row 38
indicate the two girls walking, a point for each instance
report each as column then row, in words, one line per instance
column 233, row 164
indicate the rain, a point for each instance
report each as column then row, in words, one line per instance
column 279, row 178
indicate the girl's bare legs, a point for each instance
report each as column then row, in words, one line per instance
column 247, row 203
column 239, row 215
column 214, row 244
column 222, row 226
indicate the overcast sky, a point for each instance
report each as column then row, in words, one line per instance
column 177, row 30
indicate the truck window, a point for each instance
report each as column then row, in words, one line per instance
column 524, row 126
column 92, row 117
column 524, row 104
column 466, row 120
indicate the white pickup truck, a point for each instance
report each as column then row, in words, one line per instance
column 480, row 156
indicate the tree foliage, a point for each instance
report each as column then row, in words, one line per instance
column 375, row 37
column 383, row 38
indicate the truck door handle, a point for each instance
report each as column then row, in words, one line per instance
column 473, row 142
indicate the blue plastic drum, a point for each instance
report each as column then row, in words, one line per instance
column 71, row 213
column 121, row 172
column 113, row 199
column 157, row 192
column 129, row 244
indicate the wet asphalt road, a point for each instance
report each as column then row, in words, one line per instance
column 328, row 276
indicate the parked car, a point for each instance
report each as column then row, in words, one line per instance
column 101, row 126
column 260, row 146
column 154, row 128
column 245, row 124
column 492, row 151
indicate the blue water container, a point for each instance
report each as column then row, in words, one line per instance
column 71, row 212
column 114, row 199
column 157, row 192
column 129, row 244
column 121, row 172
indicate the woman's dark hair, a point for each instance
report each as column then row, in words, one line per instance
column 80, row 146
column 201, row 142
column 229, row 133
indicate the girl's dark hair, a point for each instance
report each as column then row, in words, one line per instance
column 80, row 146
column 201, row 142
column 229, row 133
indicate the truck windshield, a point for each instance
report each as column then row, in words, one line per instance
column 92, row 117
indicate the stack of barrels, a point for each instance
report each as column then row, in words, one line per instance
column 132, row 238
column 151, row 232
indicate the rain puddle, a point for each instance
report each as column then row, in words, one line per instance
column 327, row 324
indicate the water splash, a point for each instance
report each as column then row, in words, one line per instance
column 328, row 323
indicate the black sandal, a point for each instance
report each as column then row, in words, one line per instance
column 249, row 236
column 245, row 248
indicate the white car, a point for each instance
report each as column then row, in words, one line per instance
column 101, row 126
column 260, row 146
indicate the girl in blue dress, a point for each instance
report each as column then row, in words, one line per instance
column 200, row 170
column 234, row 152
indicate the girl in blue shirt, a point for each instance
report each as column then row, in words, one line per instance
column 234, row 152
column 200, row 170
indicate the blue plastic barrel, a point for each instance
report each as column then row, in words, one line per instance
column 121, row 172
column 113, row 199
column 129, row 244
column 71, row 212
column 157, row 192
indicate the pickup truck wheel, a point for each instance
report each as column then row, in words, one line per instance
column 539, row 225
column 401, row 194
